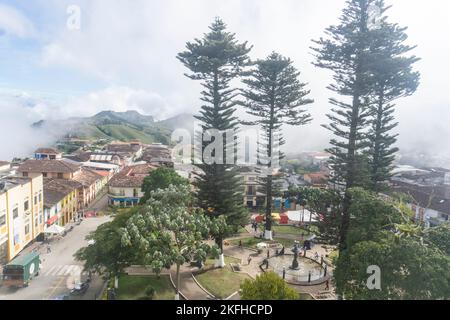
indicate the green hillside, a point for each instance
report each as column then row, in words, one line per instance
column 123, row 132
column 110, row 125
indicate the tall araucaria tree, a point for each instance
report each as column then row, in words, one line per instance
column 274, row 96
column 216, row 60
column 346, row 52
column 167, row 231
column 393, row 78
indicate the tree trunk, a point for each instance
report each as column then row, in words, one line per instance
column 377, row 147
column 268, row 229
column 350, row 176
column 221, row 260
column 177, row 295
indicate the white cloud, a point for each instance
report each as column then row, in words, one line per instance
column 117, row 99
column 14, row 23
column 128, row 45
column 18, row 111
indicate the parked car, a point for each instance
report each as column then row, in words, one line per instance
column 80, row 289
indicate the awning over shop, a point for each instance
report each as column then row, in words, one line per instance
column 52, row 220
column 54, row 229
column 301, row 216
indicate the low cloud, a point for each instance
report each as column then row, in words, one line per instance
column 19, row 139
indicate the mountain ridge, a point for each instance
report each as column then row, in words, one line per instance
column 112, row 125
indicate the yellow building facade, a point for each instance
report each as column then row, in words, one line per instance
column 21, row 214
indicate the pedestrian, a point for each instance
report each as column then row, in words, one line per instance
column 316, row 256
column 268, row 254
column 240, row 243
column 49, row 249
column 327, row 285
column 249, row 259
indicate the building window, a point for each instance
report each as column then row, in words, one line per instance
column 35, row 200
column 26, row 205
column 16, row 239
column 25, row 174
column 2, row 220
column 44, row 174
column 15, row 213
column 27, row 229
column 60, row 175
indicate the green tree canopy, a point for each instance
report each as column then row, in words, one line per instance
column 166, row 231
column 161, row 178
column 267, row 286
column 413, row 263
column 107, row 255
column 440, row 237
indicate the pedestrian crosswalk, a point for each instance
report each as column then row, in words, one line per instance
column 63, row 270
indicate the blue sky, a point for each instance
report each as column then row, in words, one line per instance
column 21, row 55
column 123, row 57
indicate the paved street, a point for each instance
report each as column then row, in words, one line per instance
column 59, row 269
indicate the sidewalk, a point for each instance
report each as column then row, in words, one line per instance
column 188, row 287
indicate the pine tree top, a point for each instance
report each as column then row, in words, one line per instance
column 217, row 51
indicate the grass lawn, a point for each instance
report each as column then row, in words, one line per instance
column 221, row 282
column 228, row 260
column 133, row 287
column 290, row 230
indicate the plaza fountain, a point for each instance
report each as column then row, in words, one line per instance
column 297, row 269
